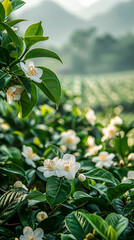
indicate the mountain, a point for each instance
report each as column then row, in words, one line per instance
column 57, row 22
column 99, row 7
column 118, row 21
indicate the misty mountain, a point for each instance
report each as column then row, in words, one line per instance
column 57, row 22
column 118, row 21
column 100, row 7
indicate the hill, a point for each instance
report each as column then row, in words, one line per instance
column 118, row 21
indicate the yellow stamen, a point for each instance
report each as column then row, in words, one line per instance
column 32, row 70
column 69, row 141
column 102, row 157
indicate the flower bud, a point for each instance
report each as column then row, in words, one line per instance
column 131, row 157
column 121, row 163
column 41, row 216
column 81, row 177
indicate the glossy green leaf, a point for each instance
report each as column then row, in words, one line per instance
column 128, row 208
column 67, row 237
column 12, row 34
column 7, row 6
column 57, row 190
column 58, row 153
column 36, row 196
column 17, row 4
column 16, row 21
column 102, row 175
column 118, row 205
column 25, row 81
column 51, row 224
column 118, row 222
column 6, row 232
column 26, row 104
column 29, row 41
column 98, row 224
column 117, row 191
column 4, row 56
column 2, row 13
column 34, row 34
column 50, row 85
column 40, row 52
column 77, row 225
column 4, row 79
column 13, row 168
column 121, row 145
column 111, row 233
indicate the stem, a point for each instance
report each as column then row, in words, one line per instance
column 17, row 61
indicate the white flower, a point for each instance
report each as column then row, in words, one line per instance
column 93, row 150
column 109, row 132
column 81, row 177
column 13, row 28
column 131, row 157
column 14, row 93
column 30, row 156
column 67, row 107
column 67, row 167
column 5, row 126
column 69, row 139
column 63, row 148
column 30, row 71
column 19, row 184
column 41, row 216
column 104, row 159
column 29, row 234
column 50, row 167
column 130, row 175
column 90, row 141
column 91, row 117
column 116, row 121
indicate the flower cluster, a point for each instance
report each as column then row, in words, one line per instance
column 67, row 167
column 111, row 130
column 69, row 140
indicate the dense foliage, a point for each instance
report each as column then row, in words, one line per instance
column 63, row 173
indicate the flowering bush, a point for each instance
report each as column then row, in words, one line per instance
column 64, row 175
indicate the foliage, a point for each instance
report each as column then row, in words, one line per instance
column 14, row 52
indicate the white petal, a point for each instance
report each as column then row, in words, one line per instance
column 23, row 238
column 39, row 233
column 41, row 169
column 27, row 230
column 99, row 164
column 95, row 159
column 35, row 79
column 30, row 162
column 70, row 175
column 39, row 72
column 69, row 157
column 23, row 67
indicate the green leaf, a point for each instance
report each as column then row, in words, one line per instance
column 17, row 4
column 13, row 22
column 118, row 222
column 50, row 85
column 121, row 145
column 36, row 196
column 13, row 168
column 58, row 153
column 111, row 233
column 51, row 224
column 29, row 41
column 9, row 203
column 26, row 103
column 67, row 237
column 4, row 79
column 4, row 56
column 81, row 197
column 12, row 34
column 6, row 232
column 57, row 190
column 128, row 208
column 77, row 225
column 34, row 30
column 2, row 13
column 118, row 205
column 102, row 175
column 40, row 52
column 117, row 191
column 34, row 34
column 7, row 6
column 25, row 81
column 98, row 224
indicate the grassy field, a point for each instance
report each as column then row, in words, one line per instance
column 102, row 90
